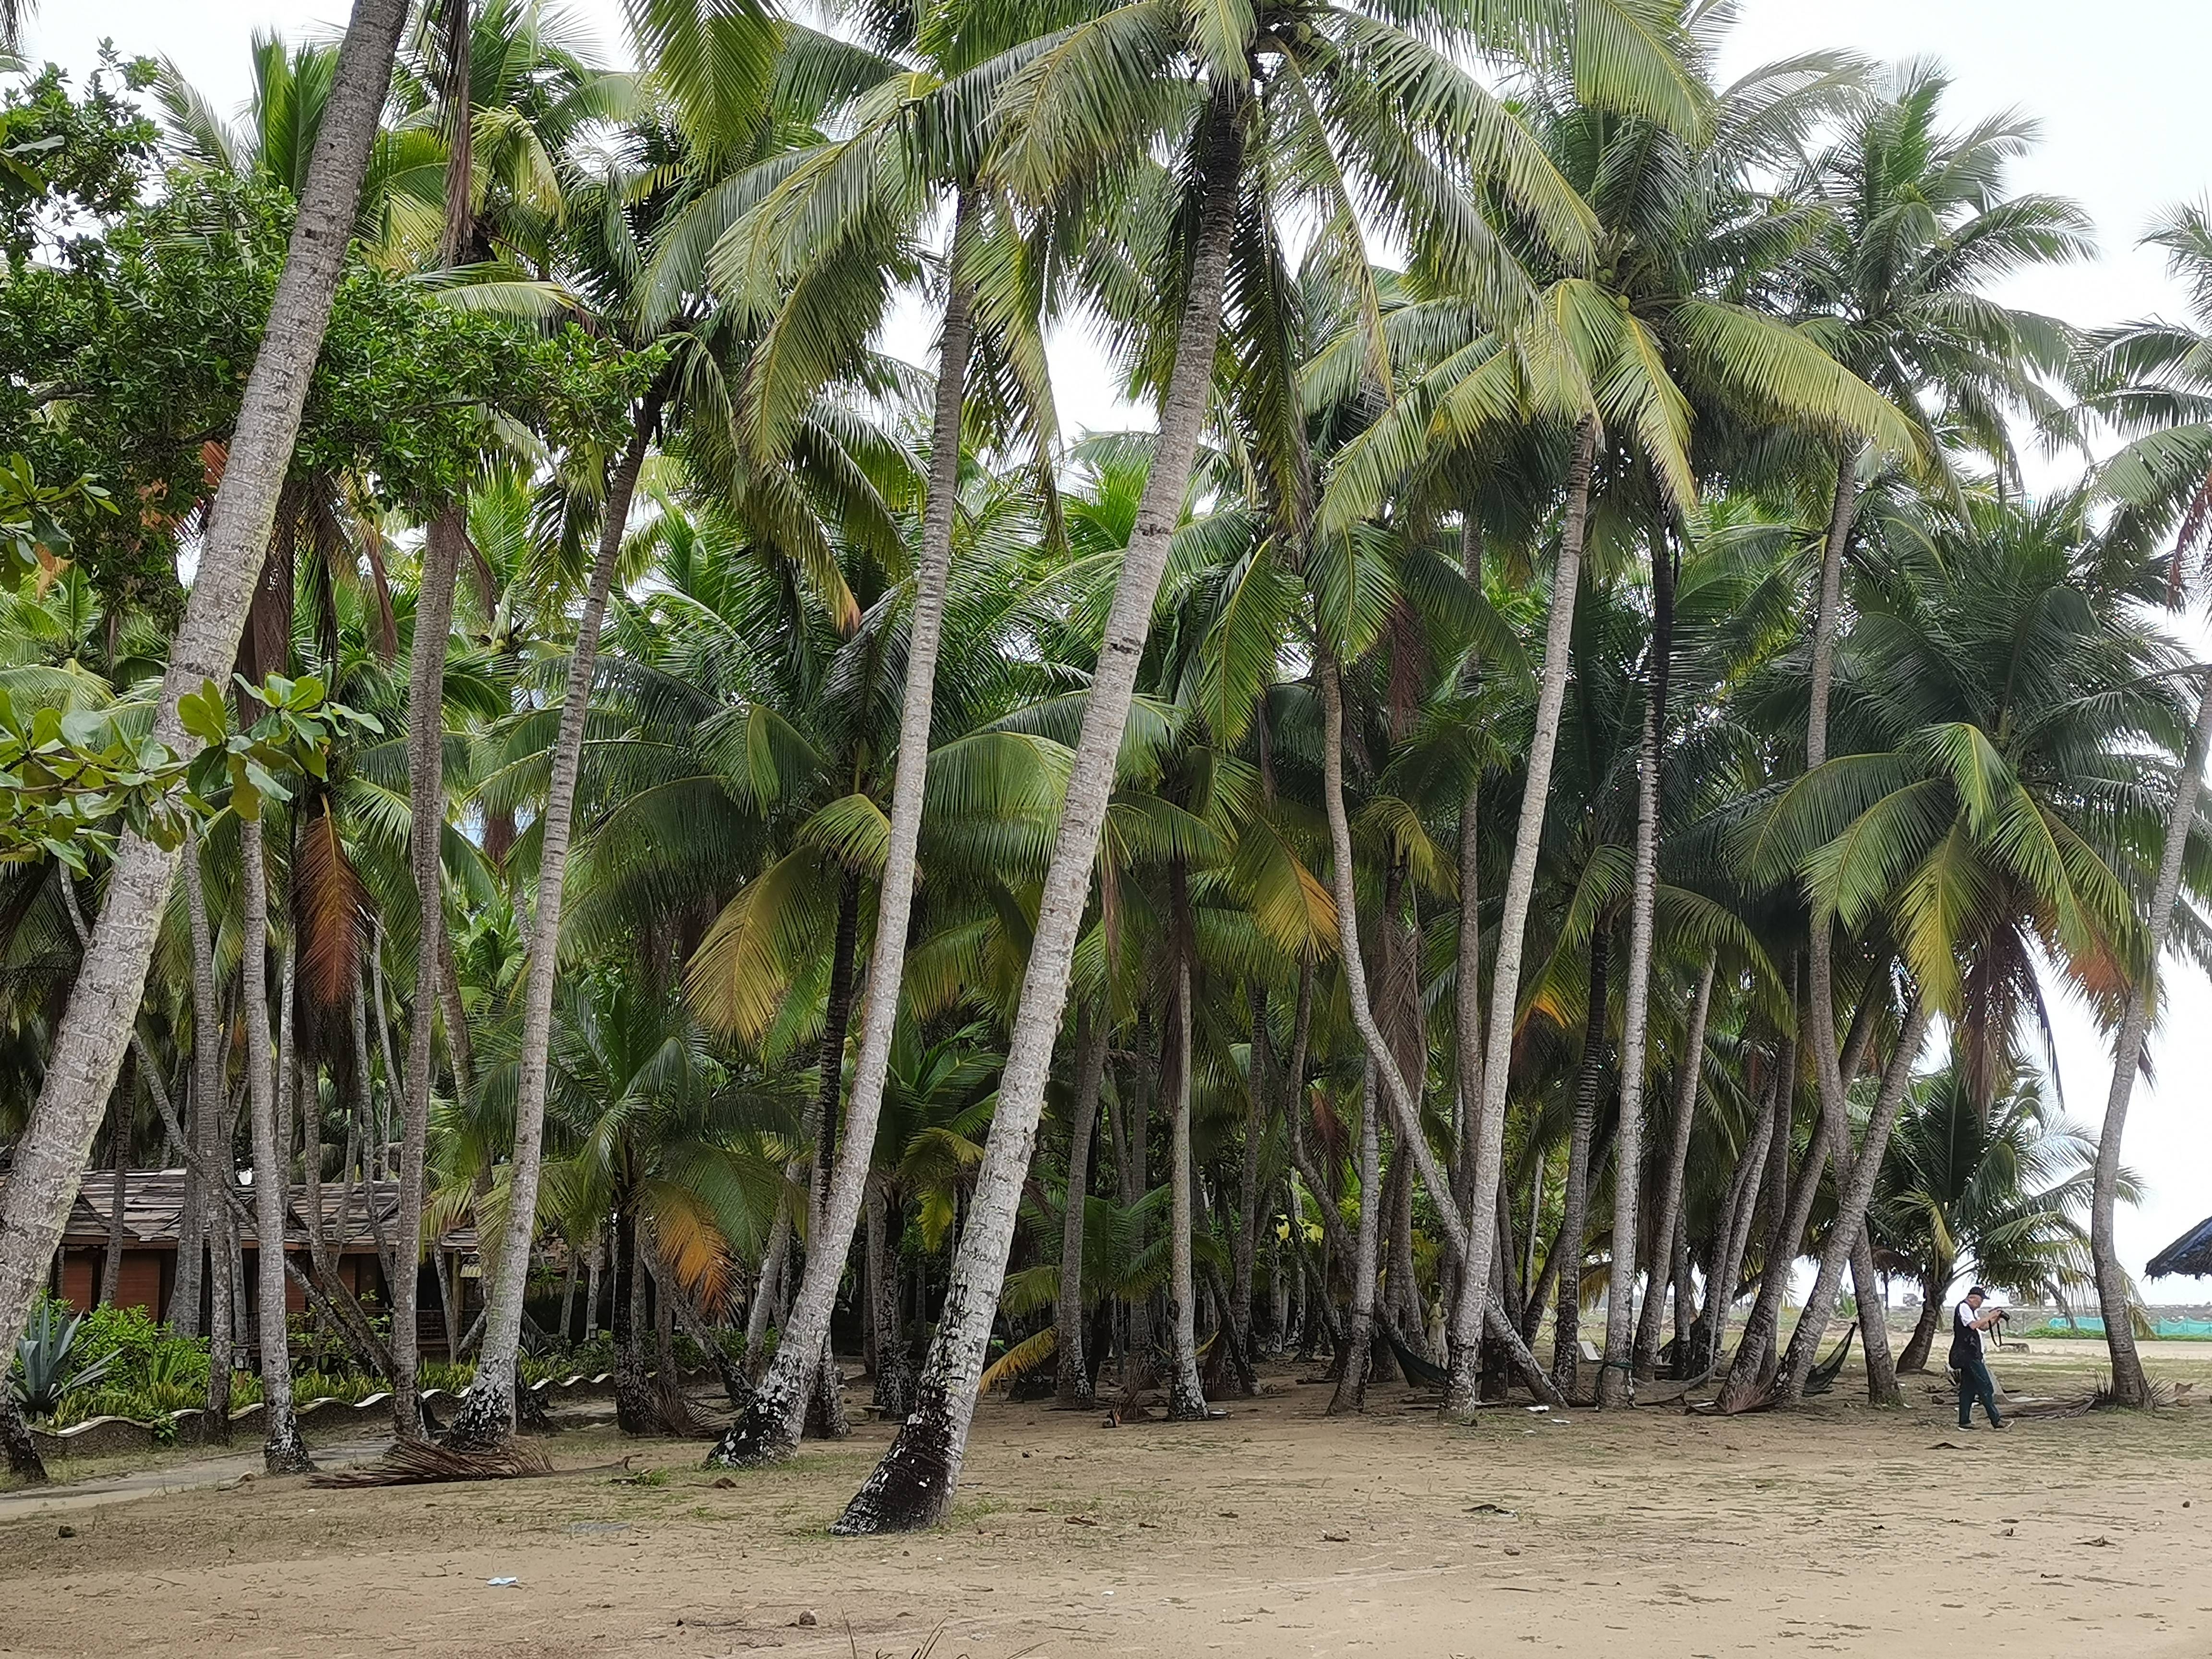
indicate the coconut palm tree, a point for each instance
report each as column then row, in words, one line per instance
column 88, row 1047
column 667, row 1142
column 1355, row 91
column 1975, row 817
column 2150, row 379
column 1917, row 229
column 1620, row 355
column 1994, row 1188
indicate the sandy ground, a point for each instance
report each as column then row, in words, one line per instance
column 1272, row 1532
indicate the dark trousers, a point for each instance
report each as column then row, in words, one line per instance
column 1974, row 1385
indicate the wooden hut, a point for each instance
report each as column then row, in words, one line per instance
column 355, row 1217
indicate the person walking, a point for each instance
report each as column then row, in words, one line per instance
column 1968, row 1322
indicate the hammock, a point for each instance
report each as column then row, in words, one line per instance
column 1421, row 1373
column 1825, row 1374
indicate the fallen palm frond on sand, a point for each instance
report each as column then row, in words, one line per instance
column 424, row 1463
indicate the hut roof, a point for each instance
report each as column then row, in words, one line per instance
column 154, row 1203
column 2192, row 1253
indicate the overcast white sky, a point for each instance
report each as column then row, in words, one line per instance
column 2119, row 89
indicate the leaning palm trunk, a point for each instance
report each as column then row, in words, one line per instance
column 1615, row 1374
column 1487, row 1133
column 207, row 1099
column 1789, row 1212
column 426, row 797
column 913, row 1485
column 487, row 1414
column 1185, row 1397
column 1667, row 1222
column 1734, row 1241
column 2130, row 1386
column 768, row 1428
column 1074, row 1392
column 88, row 1050
column 1874, row 1326
column 281, row 1450
column 1917, row 1347
column 767, row 1284
column 1753, row 1374
column 1382, row 1065
column 1852, row 1197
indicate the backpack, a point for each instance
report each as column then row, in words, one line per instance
column 1965, row 1349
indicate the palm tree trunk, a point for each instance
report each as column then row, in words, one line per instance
column 487, row 1414
column 1135, row 1137
column 592, row 1268
column 1734, row 1235
column 1463, row 1379
column 894, row 1388
column 1685, row 1300
column 425, row 796
column 1185, row 1397
column 1574, row 1212
column 1917, row 1347
column 283, row 1451
column 183, row 1315
column 1844, row 1232
column 1074, row 1392
column 768, row 1287
column 824, row 1387
column 332, row 1300
column 223, row 1246
column 23, row 1460
column 1874, row 1326
column 96, row 1026
column 1789, row 1210
column 2130, row 1386
column 1689, row 1073
column 1405, row 1106
column 637, row 1411
column 1819, row 1020
column 913, row 1485
column 1531, row 1300
column 381, row 997
column 569, row 1298
column 119, row 1135
column 1488, row 1130
column 1244, row 1247
column 1842, row 514
column 769, row 1429
column 1615, row 1374
column 1350, row 1394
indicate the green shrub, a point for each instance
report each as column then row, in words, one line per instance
column 348, row 1388
column 441, row 1374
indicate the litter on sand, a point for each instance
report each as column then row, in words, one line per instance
column 501, row 1583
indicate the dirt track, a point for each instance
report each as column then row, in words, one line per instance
column 1837, row 1530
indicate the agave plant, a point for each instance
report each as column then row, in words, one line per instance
column 48, row 1363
